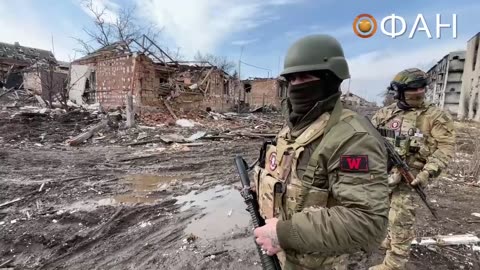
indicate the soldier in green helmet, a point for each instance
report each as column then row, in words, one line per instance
column 322, row 187
column 424, row 136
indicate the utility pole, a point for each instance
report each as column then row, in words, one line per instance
column 53, row 46
column 239, row 78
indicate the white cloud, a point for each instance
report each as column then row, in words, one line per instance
column 372, row 72
column 244, row 41
column 204, row 24
column 107, row 8
column 338, row 32
column 31, row 31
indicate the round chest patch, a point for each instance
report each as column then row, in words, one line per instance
column 273, row 161
column 395, row 124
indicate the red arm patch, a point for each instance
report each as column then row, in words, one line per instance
column 354, row 163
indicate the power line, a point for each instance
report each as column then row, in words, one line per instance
column 247, row 64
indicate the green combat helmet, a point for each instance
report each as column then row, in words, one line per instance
column 316, row 52
column 410, row 78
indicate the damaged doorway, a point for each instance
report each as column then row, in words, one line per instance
column 89, row 95
column 248, row 89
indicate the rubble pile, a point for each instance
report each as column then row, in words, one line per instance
column 32, row 125
column 29, row 125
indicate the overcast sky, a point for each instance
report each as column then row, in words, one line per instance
column 265, row 29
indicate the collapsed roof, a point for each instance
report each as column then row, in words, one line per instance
column 26, row 56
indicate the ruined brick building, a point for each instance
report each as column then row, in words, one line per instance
column 32, row 69
column 259, row 92
column 154, row 79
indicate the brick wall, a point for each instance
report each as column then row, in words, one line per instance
column 264, row 92
column 115, row 78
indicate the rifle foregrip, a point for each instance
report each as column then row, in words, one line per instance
column 268, row 262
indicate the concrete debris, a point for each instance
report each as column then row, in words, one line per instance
column 447, row 240
column 196, row 136
column 184, row 123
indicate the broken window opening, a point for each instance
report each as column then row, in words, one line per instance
column 225, row 88
column 247, row 87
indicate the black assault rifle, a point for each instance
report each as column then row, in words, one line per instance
column 404, row 170
column 268, row 262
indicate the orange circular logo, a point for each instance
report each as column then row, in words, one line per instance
column 364, row 25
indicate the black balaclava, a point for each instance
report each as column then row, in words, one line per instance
column 305, row 96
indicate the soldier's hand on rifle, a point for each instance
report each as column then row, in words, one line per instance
column 253, row 187
column 394, row 177
column 266, row 237
column 421, row 179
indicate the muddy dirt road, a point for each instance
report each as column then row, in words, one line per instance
column 111, row 205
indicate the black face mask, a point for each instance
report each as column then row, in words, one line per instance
column 304, row 96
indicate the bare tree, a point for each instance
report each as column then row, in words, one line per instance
column 220, row 62
column 106, row 31
column 53, row 84
column 175, row 54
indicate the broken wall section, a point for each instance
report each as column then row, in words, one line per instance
column 469, row 105
column 114, row 79
column 264, row 92
column 106, row 81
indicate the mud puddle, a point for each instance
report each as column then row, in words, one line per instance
column 143, row 189
column 223, row 212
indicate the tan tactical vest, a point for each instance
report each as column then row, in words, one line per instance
column 408, row 136
column 280, row 191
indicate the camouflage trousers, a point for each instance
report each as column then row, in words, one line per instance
column 401, row 230
column 333, row 263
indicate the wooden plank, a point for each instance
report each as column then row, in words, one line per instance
column 89, row 133
column 170, row 109
column 130, row 111
column 10, row 202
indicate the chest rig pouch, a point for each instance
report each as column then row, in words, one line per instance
column 281, row 192
column 409, row 142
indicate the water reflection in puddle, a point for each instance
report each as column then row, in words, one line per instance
column 143, row 188
column 143, row 185
column 224, row 211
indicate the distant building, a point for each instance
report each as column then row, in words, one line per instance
column 470, row 95
column 446, row 81
column 258, row 92
column 350, row 98
column 14, row 58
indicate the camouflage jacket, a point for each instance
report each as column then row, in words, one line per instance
column 435, row 127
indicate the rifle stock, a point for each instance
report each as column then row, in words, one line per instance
column 268, row 262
